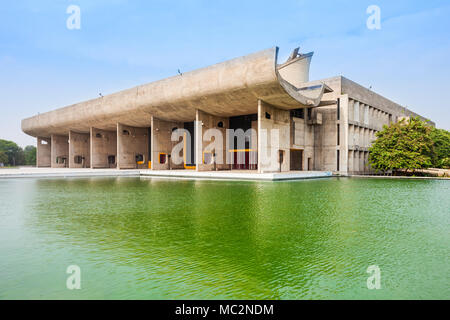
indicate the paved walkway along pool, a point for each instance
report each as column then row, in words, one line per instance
column 153, row 238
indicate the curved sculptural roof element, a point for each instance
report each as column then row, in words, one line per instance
column 225, row 89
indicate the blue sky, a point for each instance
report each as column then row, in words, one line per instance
column 44, row 65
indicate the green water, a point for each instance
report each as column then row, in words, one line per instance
column 137, row 238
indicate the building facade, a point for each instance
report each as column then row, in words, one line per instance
column 289, row 123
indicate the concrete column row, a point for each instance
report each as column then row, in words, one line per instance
column 129, row 147
column 358, row 162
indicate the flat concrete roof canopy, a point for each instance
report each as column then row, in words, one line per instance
column 230, row 88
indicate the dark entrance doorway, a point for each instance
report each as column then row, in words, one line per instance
column 190, row 154
column 245, row 160
column 309, row 164
column 243, row 156
column 296, row 160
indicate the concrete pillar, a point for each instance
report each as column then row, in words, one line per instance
column 356, row 162
column 198, row 147
column 351, row 136
column 253, row 157
column 351, row 110
column 271, row 118
column 363, row 137
column 79, row 150
column 361, row 161
column 60, row 151
column 355, row 110
column 371, row 170
column 344, row 134
column 132, row 147
column 103, row 145
column 361, row 112
column 350, row 161
column 44, row 152
column 162, row 144
column 367, row 137
column 210, row 143
column 366, row 162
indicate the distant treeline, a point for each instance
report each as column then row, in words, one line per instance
column 13, row 155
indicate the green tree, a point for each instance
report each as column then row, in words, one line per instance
column 30, row 155
column 404, row 145
column 3, row 158
column 12, row 151
column 441, row 139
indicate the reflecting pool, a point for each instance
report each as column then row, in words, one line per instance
column 147, row 238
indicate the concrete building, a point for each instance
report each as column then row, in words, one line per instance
column 293, row 124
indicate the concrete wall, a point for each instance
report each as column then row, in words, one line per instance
column 329, row 142
column 79, row 145
column 162, row 143
column 302, row 138
column 364, row 120
column 60, row 149
column 324, row 156
column 44, row 152
column 205, row 122
column 268, row 158
column 371, row 98
column 344, row 134
column 325, row 139
column 103, row 144
column 296, row 71
column 132, row 141
column 362, row 114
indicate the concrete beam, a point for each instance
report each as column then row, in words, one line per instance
column 132, row 147
column 227, row 89
column 79, row 150
column 103, row 145
column 60, row 151
column 44, row 152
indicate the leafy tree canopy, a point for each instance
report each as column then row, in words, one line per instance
column 30, row 155
column 441, row 138
column 13, row 155
column 407, row 144
column 3, row 157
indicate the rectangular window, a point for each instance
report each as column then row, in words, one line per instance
column 351, row 108
column 338, row 158
column 298, row 113
column 139, row 158
column 338, row 135
column 339, row 109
